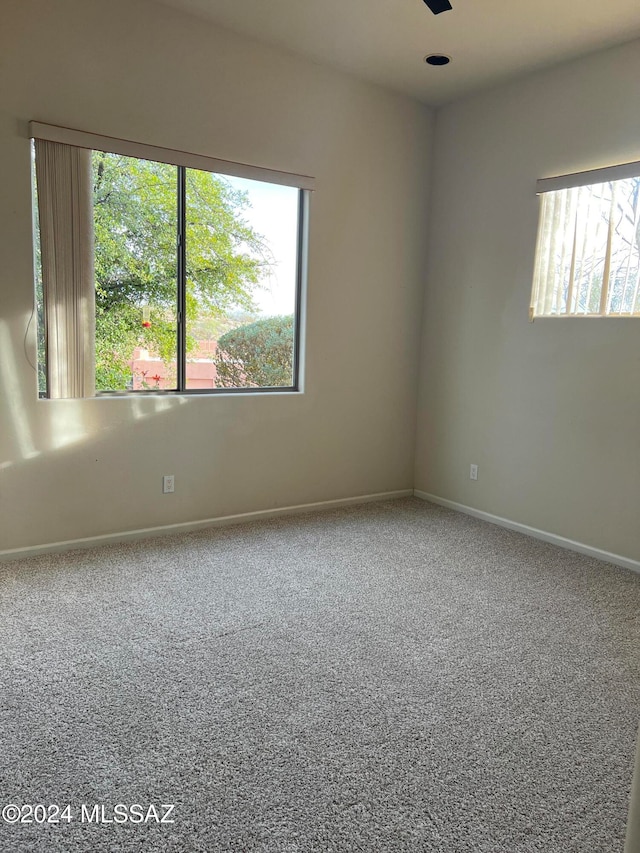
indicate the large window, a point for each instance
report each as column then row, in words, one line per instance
column 157, row 275
column 588, row 249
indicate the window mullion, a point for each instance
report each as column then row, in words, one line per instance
column 181, row 379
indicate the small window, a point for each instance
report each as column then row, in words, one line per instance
column 588, row 250
column 153, row 276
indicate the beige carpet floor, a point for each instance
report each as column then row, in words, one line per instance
column 388, row 677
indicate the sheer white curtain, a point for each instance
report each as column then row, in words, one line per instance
column 63, row 175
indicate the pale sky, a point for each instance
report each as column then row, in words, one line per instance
column 274, row 215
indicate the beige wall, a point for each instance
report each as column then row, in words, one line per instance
column 142, row 71
column 550, row 411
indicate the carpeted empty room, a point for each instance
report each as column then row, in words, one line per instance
column 387, row 677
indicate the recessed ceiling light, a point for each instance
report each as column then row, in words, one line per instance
column 437, row 59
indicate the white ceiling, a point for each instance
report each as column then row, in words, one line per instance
column 385, row 41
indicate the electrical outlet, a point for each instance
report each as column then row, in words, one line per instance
column 473, row 472
column 168, row 484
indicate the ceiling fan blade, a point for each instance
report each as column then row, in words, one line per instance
column 438, row 6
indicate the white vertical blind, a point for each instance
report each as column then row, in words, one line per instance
column 66, row 235
column 588, row 251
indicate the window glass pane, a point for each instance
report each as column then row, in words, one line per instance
column 624, row 275
column 135, row 222
column 588, row 251
column 241, row 282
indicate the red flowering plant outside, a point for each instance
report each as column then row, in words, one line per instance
column 146, row 385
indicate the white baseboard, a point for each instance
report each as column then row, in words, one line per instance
column 570, row 544
column 186, row 526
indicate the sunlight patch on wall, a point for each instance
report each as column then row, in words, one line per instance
column 13, row 394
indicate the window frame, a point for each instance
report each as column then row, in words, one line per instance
column 183, row 161
column 589, row 178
